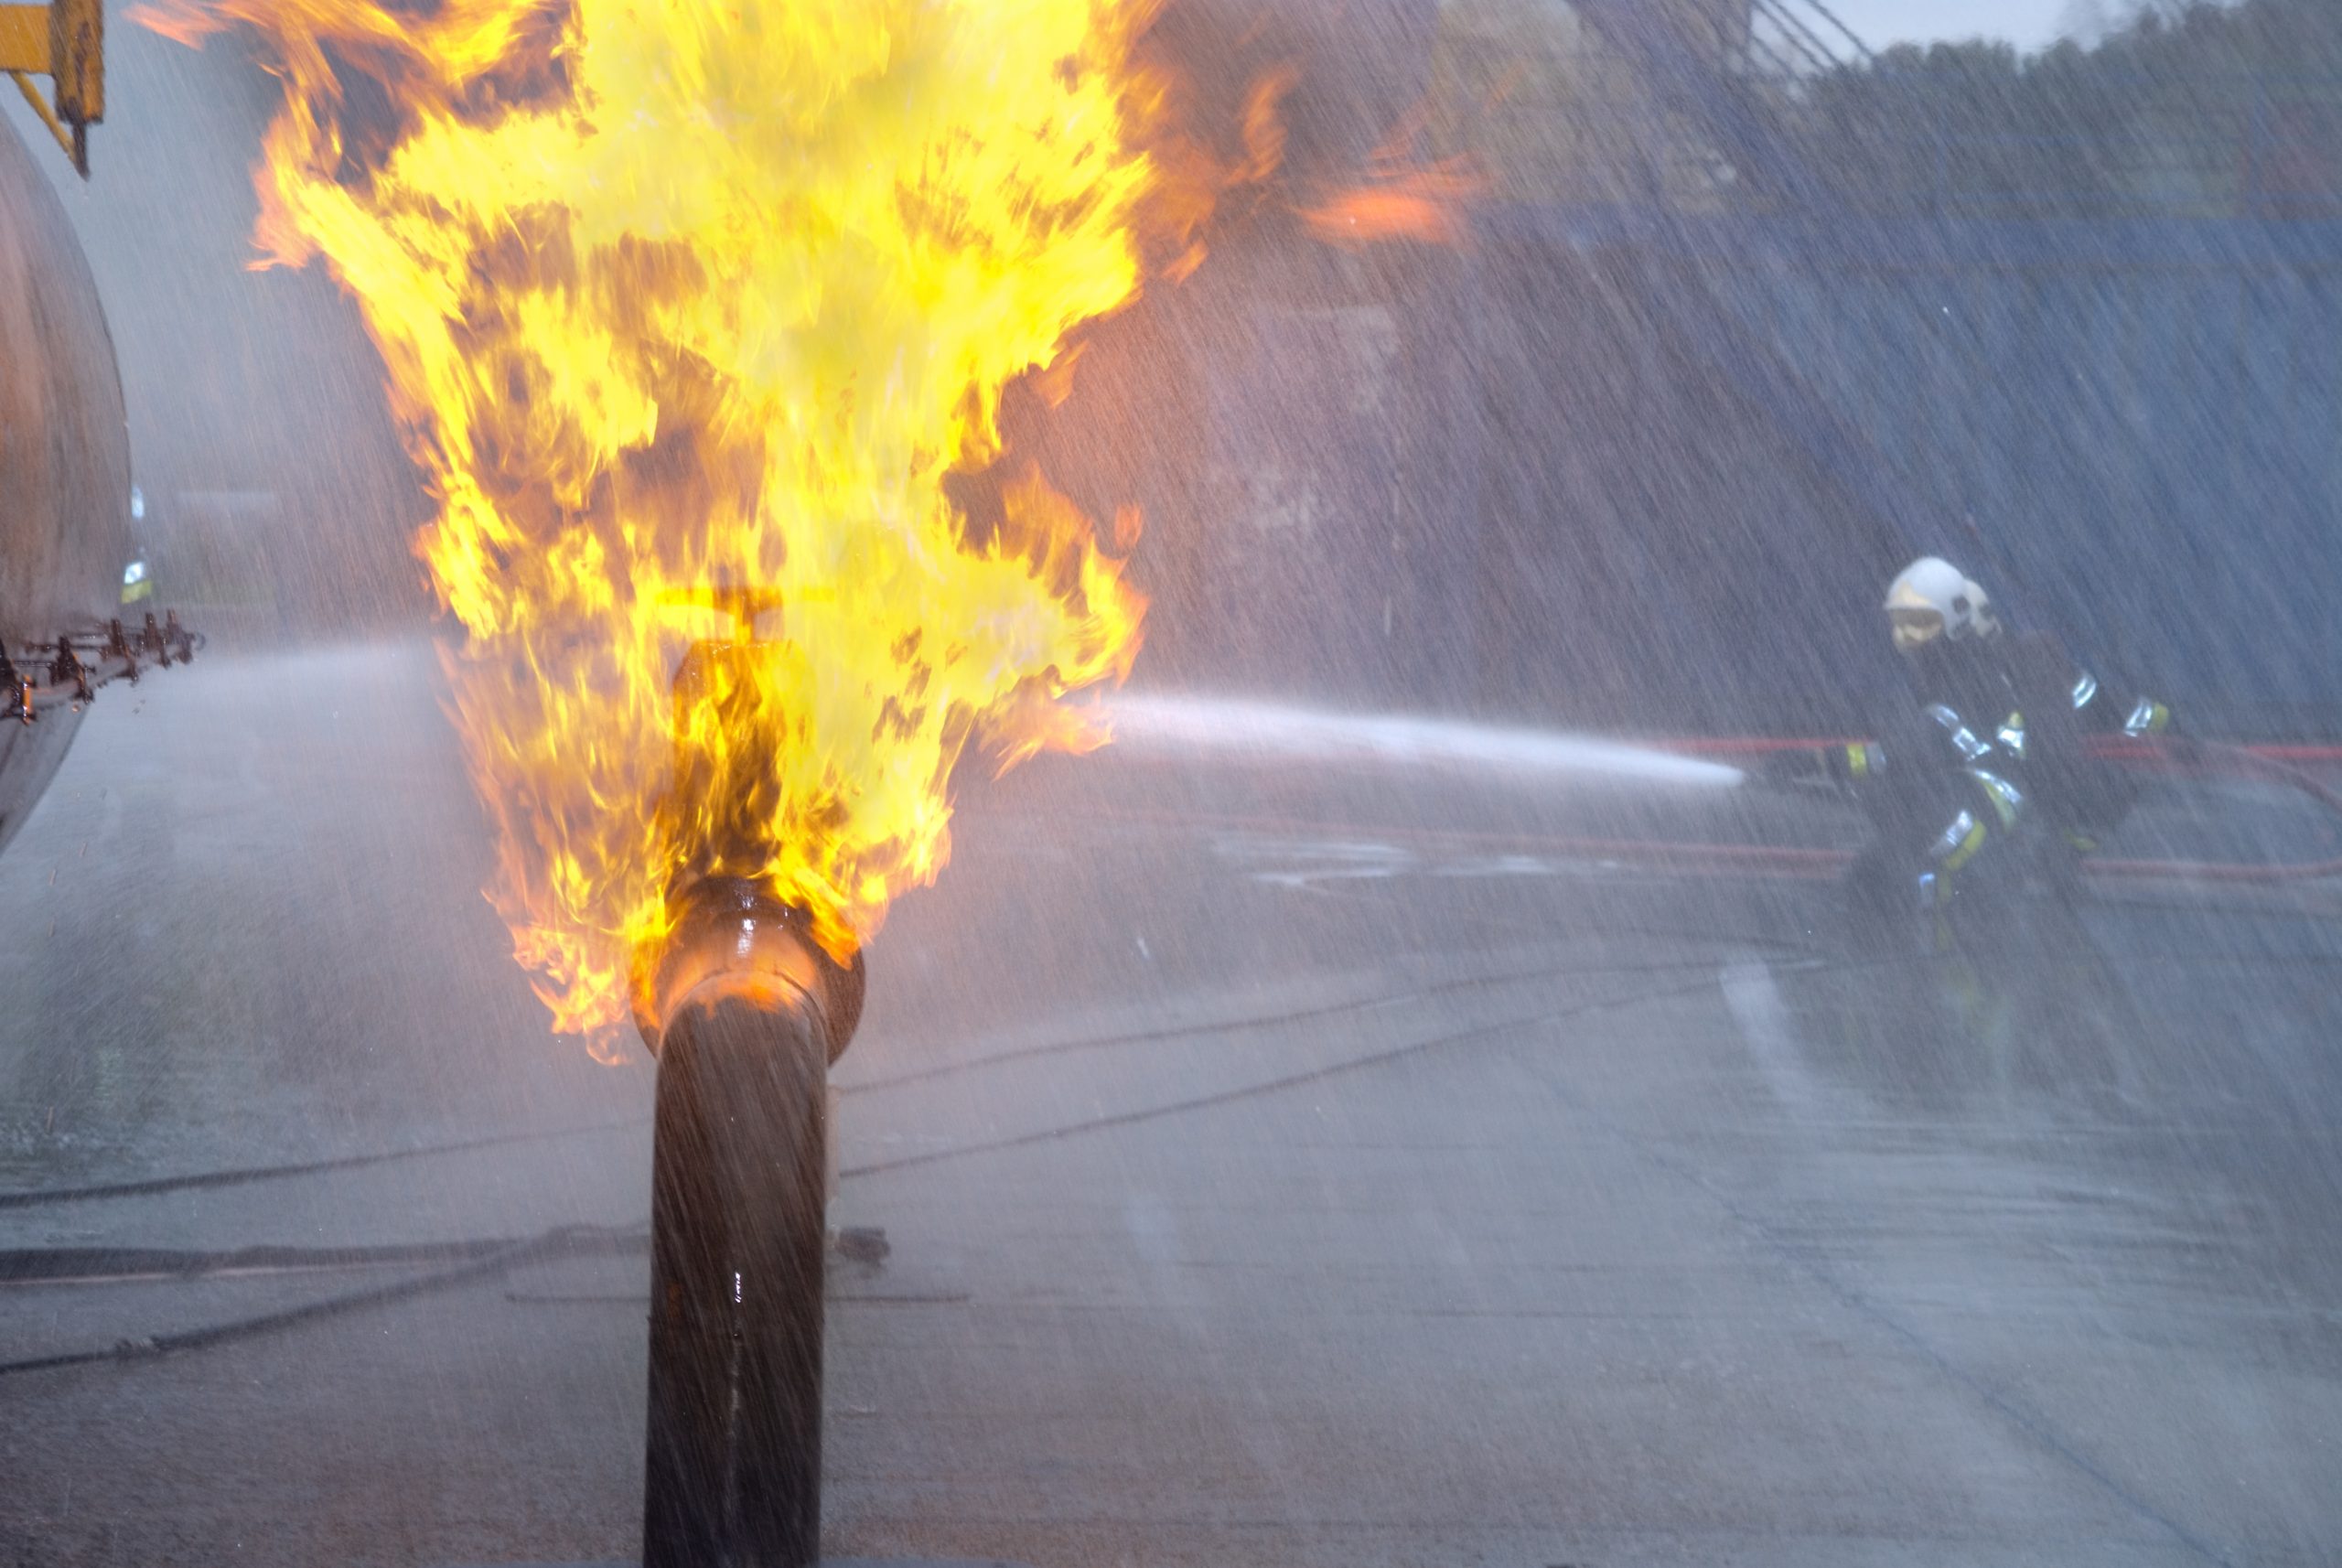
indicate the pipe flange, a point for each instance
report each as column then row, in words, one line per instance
column 733, row 926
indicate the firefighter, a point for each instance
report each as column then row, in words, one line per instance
column 1978, row 772
column 1945, row 806
column 2052, row 705
column 138, row 577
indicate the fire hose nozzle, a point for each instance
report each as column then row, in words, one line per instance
column 734, row 938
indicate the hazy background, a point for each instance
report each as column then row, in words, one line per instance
column 1730, row 330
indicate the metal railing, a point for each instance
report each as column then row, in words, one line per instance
column 1791, row 40
column 68, row 671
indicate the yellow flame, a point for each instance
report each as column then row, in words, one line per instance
column 688, row 308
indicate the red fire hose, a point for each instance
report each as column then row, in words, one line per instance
column 2172, row 754
column 2250, row 762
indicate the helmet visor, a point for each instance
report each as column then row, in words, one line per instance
column 1914, row 628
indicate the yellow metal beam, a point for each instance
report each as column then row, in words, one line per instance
column 64, row 40
column 24, row 38
column 47, row 117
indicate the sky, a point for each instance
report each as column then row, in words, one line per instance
column 2028, row 24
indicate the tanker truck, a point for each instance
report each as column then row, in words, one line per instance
column 64, row 442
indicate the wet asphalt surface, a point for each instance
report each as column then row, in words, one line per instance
column 1278, row 1164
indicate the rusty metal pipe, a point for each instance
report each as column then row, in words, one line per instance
column 745, row 1013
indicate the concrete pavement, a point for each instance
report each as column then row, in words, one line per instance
column 1280, row 1163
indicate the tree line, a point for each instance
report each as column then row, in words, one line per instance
column 2201, row 108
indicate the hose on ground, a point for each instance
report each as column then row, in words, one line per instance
column 2164, row 751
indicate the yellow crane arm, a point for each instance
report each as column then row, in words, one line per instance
column 65, row 41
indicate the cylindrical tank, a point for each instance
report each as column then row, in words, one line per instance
column 64, row 458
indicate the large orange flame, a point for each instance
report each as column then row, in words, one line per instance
column 688, row 308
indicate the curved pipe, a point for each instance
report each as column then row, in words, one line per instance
column 739, row 1223
column 745, row 1013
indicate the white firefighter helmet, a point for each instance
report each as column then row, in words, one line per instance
column 1930, row 599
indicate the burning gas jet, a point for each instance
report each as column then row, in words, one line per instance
column 687, row 311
